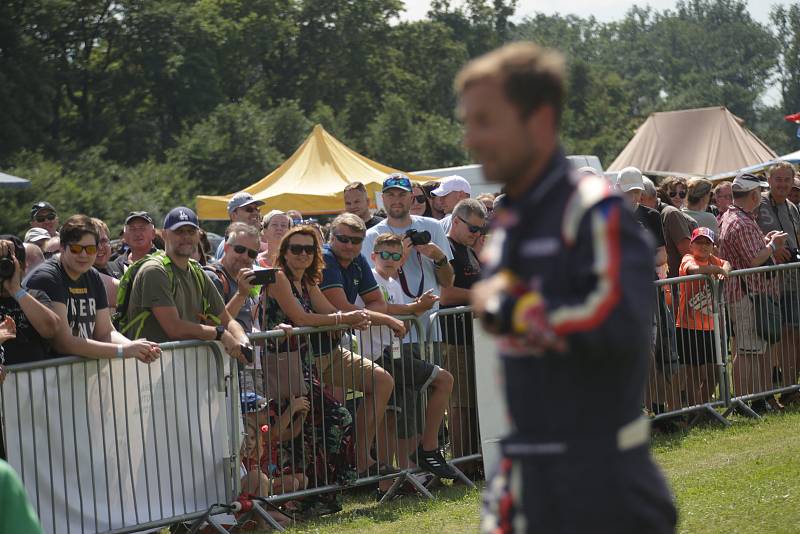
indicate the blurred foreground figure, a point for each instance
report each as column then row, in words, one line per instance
column 569, row 296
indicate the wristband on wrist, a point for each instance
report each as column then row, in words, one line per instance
column 120, row 351
column 21, row 292
column 771, row 245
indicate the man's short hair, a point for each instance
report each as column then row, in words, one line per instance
column 355, row 186
column 236, row 229
column 697, row 188
column 781, row 165
column 468, row 207
column 101, row 226
column 75, row 228
column 350, row 220
column 389, row 240
column 532, row 76
column 649, row 187
column 720, row 185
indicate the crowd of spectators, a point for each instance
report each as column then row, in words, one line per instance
column 355, row 410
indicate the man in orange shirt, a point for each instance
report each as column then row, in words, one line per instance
column 695, row 320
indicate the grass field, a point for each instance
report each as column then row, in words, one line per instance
column 742, row 479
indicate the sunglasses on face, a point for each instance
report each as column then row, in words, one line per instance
column 419, row 199
column 300, row 249
column 43, row 218
column 241, row 249
column 76, row 249
column 250, row 209
column 385, row 255
column 681, row 193
column 473, row 229
column 348, row 239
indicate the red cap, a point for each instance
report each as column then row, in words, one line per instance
column 703, row 232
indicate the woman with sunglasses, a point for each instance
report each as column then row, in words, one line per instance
column 420, row 204
column 295, row 299
column 677, row 225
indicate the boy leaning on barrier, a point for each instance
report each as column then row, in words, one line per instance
column 78, row 297
column 695, row 319
column 411, row 375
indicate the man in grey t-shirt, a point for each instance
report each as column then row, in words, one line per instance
column 427, row 266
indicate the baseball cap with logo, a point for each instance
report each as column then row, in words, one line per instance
column 241, row 199
column 34, row 235
column 41, row 205
column 178, row 217
column 747, row 182
column 397, row 180
column 630, row 178
column 702, row 231
column 450, row 184
column 138, row 215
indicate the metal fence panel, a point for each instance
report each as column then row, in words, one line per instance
column 111, row 445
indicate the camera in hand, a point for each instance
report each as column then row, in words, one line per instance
column 6, row 268
column 263, row 277
column 419, row 238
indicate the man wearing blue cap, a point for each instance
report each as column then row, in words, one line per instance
column 242, row 207
column 173, row 296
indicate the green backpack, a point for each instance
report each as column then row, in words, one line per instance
column 125, row 324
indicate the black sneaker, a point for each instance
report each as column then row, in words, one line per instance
column 433, row 462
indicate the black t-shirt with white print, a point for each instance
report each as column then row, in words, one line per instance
column 83, row 297
column 28, row 346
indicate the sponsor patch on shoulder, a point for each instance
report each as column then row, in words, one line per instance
column 542, row 246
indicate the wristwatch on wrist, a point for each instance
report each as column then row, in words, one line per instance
column 220, row 330
column 440, row 262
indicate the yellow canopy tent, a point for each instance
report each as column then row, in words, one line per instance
column 311, row 180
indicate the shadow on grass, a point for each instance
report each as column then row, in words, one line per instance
column 364, row 506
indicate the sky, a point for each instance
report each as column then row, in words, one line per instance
column 603, row 10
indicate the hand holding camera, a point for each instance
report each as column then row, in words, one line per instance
column 10, row 269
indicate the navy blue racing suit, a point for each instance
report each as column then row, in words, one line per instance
column 574, row 333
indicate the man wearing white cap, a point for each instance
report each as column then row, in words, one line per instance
column 451, row 191
column 37, row 236
column 242, row 207
column 630, row 183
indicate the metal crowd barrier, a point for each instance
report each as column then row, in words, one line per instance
column 724, row 342
column 118, row 446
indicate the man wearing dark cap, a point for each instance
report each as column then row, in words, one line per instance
column 43, row 215
column 794, row 194
column 242, row 207
column 138, row 233
column 171, row 297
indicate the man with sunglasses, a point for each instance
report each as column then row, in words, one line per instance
column 356, row 201
column 245, row 208
column 77, row 295
column 451, row 191
column 43, row 215
column 469, row 225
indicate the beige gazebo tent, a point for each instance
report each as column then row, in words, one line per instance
column 697, row 142
column 311, row 180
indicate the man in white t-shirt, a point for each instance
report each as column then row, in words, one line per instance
column 411, row 374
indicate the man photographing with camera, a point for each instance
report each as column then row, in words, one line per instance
column 426, row 249
column 34, row 322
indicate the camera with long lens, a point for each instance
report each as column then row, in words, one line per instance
column 418, row 237
column 6, row 267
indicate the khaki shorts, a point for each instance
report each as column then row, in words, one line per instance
column 344, row 369
column 459, row 360
column 743, row 318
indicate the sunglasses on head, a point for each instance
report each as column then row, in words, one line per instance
column 348, row 239
column 76, row 248
column 241, row 249
column 673, row 194
column 299, row 249
column 419, row 199
column 385, row 255
column 473, row 229
column 43, row 218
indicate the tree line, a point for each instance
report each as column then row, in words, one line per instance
column 115, row 105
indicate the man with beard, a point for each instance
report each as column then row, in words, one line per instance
column 569, row 295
